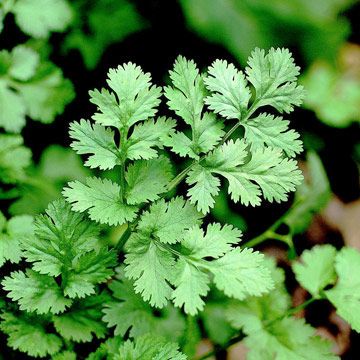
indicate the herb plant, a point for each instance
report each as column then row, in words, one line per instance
column 172, row 272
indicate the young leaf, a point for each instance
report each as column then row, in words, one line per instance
column 149, row 347
column 38, row 18
column 230, row 95
column 83, row 321
column 150, row 266
column 274, row 77
column 95, row 140
column 147, row 179
column 137, row 98
column 345, row 295
column 10, row 234
column 274, row 132
column 316, row 269
column 168, row 221
column 29, row 336
column 147, row 136
column 101, row 199
column 35, row 292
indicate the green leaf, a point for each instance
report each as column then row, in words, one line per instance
column 167, row 221
column 186, row 98
column 147, row 136
column 96, row 140
column 28, row 336
column 24, row 63
column 92, row 33
column 288, row 338
column 66, row 244
column 10, row 234
column 38, row 18
column 316, row 269
column 274, row 132
column 35, row 292
column 14, row 158
column 129, row 311
column 12, row 115
column 274, row 77
column 83, row 321
column 149, row 347
column 150, row 266
column 266, row 173
column 101, row 199
column 240, row 273
column 137, row 98
column 345, row 295
column 46, row 94
column 311, row 196
column 230, row 95
column 147, row 179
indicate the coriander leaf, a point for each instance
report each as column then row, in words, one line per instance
column 149, row 347
column 35, row 292
column 137, row 98
column 129, row 311
column 101, row 199
column 240, row 273
column 38, row 18
column 274, row 132
column 64, row 355
column 311, row 196
column 168, row 220
column 83, row 321
column 46, row 94
column 274, row 77
column 61, row 236
column 147, row 179
column 190, row 285
column 24, row 63
column 66, row 244
column 149, row 135
column 288, row 338
column 345, row 295
column 204, row 188
column 14, row 158
column 96, row 140
column 29, row 336
column 230, row 95
column 10, row 234
column 187, row 96
column 12, row 115
column 316, row 269
column 150, row 266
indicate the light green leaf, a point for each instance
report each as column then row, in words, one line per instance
column 29, row 336
column 274, row 132
column 83, row 321
column 24, row 63
column 35, row 292
column 38, row 18
column 274, row 77
column 167, row 221
column 230, row 95
column 147, row 179
column 147, row 136
column 101, row 199
column 345, row 295
column 316, row 269
column 96, row 140
column 150, row 266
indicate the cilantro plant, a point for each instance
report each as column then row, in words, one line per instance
column 172, row 276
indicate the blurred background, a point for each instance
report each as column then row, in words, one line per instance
column 89, row 37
